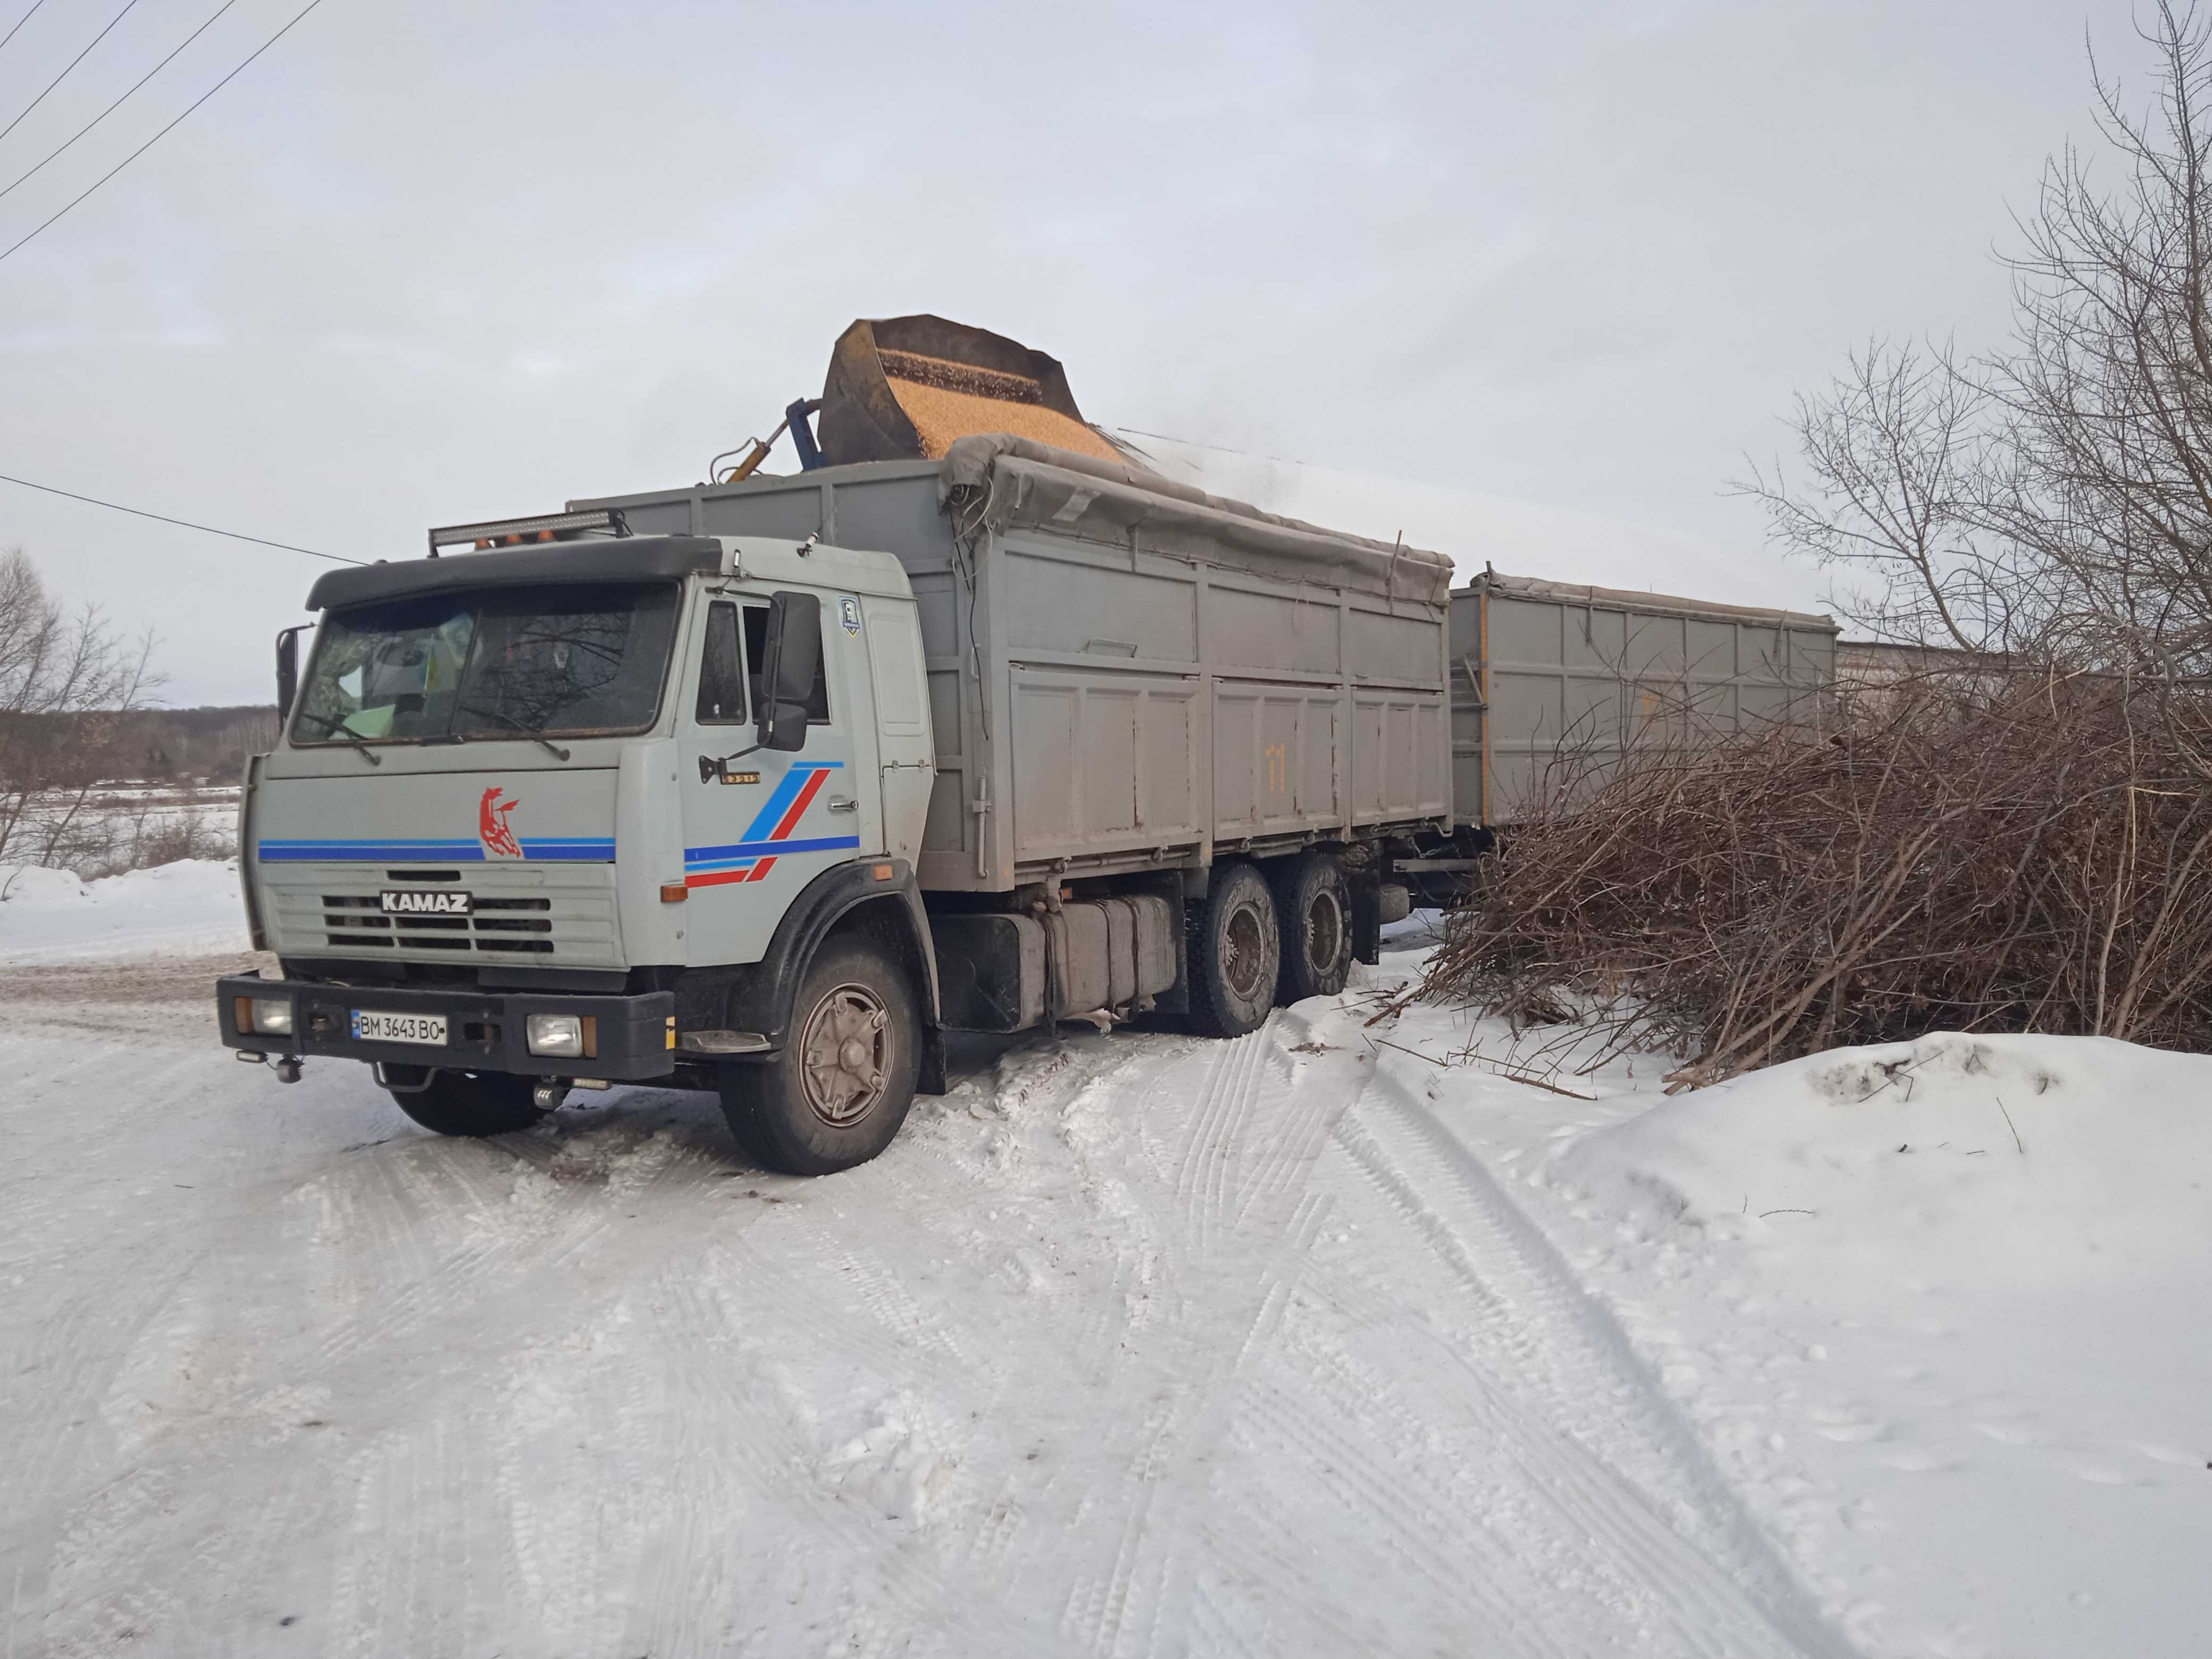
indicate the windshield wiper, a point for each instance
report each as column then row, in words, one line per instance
column 352, row 740
column 539, row 738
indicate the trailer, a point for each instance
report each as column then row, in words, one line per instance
column 1556, row 687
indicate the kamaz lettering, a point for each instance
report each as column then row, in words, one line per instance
column 417, row 902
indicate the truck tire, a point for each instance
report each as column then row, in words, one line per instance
column 841, row 1088
column 1236, row 954
column 471, row 1103
column 1314, row 902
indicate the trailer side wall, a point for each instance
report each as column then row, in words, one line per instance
column 1555, row 688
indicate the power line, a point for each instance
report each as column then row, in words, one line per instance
column 165, row 132
column 1193, row 443
column 73, row 63
column 118, row 104
column 140, row 513
column 25, row 18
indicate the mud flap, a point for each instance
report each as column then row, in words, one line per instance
column 1366, row 913
column 932, row 1080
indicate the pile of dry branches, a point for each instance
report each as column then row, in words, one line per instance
column 2036, row 858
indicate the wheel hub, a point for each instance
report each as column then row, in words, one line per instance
column 1324, row 933
column 845, row 1054
column 1245, row 945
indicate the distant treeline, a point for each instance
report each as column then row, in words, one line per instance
column 158, row 745
column 166, row 744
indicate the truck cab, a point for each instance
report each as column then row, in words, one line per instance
column 572, row 812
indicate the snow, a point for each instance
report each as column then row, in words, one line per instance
column 190, row 908
column 1940, row 1306
column 1333, row 1339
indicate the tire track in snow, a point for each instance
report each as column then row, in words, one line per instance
column 1098, row 1370
column 1230, row 1247
column 752, row 1450
column 1569, row 1372
column 51, row 1406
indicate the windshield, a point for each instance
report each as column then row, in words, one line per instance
column 540, row 661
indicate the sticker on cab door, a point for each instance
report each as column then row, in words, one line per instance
column 848, row 614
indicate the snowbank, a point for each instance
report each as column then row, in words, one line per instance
column 190, row 908
column 1939, row 1309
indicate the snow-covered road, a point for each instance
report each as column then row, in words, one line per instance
column 1133, row 1345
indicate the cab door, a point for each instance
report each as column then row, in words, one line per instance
column 758, row 826
column 906, row 757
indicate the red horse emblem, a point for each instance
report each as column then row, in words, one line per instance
column 492, row 827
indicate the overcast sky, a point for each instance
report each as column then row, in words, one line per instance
column 425, row 262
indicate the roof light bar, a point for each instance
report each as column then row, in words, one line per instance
column 520, row 532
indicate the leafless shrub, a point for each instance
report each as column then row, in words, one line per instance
column 2034, row 857
column 66, row 681
column 108, row 840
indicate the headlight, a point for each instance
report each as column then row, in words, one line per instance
column 272, row 1015
column 558, row 1034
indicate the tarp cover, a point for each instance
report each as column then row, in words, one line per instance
column 1619, row 598
column 1019, row 483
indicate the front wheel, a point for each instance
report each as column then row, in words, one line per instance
column 841, row 1088
column 471, row 1103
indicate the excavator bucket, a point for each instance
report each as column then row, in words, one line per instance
column 903, row 388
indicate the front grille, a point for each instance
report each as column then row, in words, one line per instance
column 566, row 915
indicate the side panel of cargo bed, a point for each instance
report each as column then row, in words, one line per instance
column 1162, row 712
column 1555, row 689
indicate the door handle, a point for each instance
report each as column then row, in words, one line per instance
column 839, row 804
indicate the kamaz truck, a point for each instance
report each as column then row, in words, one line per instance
column 762, row 786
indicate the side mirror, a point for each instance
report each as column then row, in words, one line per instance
column 790, row 658
column 287, row 672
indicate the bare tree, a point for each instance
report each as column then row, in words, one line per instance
column 1899, row 452
column 65, row 679
column 2051, row 499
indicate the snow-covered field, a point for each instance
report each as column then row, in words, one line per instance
column 1305, row 1344
column 123, row 826
column 187, row 909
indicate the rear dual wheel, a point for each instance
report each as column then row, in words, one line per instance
column 1235, row 953
column 1314, row 902
column 1257, row 941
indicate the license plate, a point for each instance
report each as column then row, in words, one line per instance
column 424, row 902
column 370, row 1026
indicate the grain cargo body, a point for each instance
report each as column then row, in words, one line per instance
column 1126, row 675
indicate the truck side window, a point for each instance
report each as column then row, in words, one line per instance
column 817, row 699
column 722, row 672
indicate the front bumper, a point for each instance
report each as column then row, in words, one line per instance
column 631, row 1037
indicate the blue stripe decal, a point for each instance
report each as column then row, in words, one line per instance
column 367, row 852
column 696, row 856
column 382, row 841
column 572, row 849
